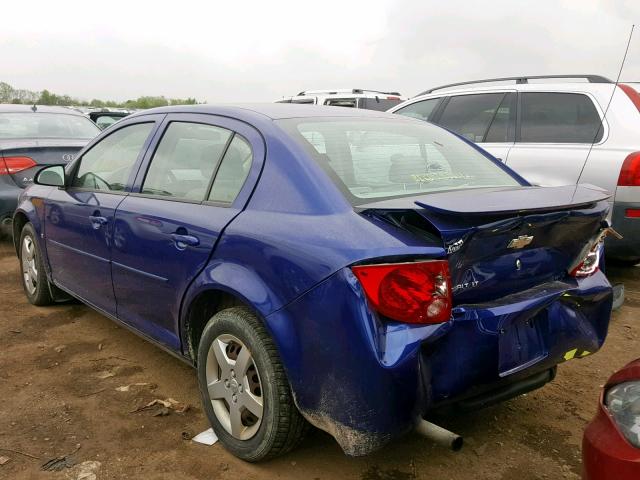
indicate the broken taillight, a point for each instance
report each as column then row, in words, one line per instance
column 417, row 292
column 589, row 265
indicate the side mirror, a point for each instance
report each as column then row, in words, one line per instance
column 52, row 176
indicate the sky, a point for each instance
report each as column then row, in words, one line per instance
column 261, row 51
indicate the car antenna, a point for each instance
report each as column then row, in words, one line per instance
column 604, row 116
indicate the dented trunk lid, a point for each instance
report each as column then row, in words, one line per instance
column 500, row 241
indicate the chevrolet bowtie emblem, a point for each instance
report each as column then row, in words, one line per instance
column 521, row 241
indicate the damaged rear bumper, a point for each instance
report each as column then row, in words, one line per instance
column 366, row 380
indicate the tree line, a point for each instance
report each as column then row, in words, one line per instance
column 8, row 94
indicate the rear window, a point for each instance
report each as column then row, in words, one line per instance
column 342, row 102
column 380, row 158
column 46, row 125
column 381, row 104
column 559, row 118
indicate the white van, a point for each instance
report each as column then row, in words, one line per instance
column 351, row 97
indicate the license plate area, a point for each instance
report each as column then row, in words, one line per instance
column 521, row 343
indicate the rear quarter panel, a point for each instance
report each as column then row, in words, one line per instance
column 623, row 119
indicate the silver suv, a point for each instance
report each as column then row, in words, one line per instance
column 544, row 130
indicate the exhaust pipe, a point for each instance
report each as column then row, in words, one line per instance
column 439, row 435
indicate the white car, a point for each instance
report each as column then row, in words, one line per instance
column 351, row 97
column 551, row 131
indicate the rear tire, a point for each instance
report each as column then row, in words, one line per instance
column 244, row 388
column 34, row 277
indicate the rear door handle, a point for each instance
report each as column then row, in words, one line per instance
column 183, row 241
column 97, row 221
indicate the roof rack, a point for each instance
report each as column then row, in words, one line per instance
column 351, row 90
column 520, row 80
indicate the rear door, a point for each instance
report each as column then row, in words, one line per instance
column 555, row 131
column 487, row 119
column 79, row 219
column 191, row 186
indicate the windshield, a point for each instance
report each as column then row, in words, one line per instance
column 46, row 125
column 379, row 158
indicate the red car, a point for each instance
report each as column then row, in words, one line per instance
column 611, row 443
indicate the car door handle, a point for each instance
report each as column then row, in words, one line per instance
column 97, row 221
column 183, row 241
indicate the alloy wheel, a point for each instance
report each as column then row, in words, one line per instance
column 29, row 268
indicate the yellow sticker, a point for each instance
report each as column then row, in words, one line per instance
column 570, row 354
column 585, row 353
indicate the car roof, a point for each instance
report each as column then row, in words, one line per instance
column 274, row 111
column 541, row 86
column 18, row 108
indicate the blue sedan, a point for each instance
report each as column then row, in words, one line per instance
column 350, row 269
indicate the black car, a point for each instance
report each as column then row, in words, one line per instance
column 106, row 118
column 31, row 136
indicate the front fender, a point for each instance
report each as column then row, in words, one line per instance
column 31, row 207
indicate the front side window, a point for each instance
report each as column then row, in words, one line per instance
column 559, row 118
column 471, row 116
column 377, row 159
column 185, row 160
column 420, row 110
column 108, row 164
column 233, row 171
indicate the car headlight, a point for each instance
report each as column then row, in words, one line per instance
column 623, row 402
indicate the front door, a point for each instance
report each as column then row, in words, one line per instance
column 79, row 219
column 166, row 229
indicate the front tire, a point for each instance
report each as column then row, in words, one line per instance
column 245, row 391
column 34, row 277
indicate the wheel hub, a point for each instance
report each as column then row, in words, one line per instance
column 234, row 387
column 29, row 269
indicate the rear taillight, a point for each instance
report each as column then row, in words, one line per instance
column 630, row 171
column 418, row 292
column 590, row 264
column 633, row 95
column 11, row 165
column 632, row 213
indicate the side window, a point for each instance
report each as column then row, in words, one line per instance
column 185, row 160
column 502, row 128
column 558, row 118
column 471, row 116
column 108, row 164
column 342, row 102
column 233, row 171
column 420, row 110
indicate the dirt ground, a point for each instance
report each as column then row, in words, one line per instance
column 61, row 368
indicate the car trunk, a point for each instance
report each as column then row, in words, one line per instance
column 501, row 241
column 43, row 152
